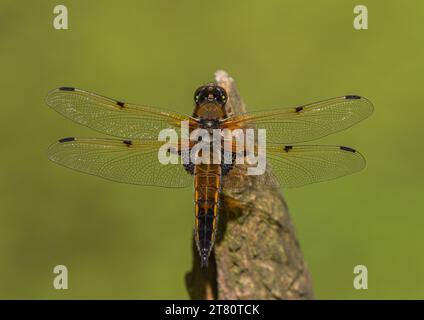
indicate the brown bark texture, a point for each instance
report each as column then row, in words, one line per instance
column 256, row 254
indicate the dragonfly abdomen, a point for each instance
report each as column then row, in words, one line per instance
column 207, row 184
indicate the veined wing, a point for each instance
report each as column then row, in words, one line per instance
column 305, row 123
column 295, row 166
column 113, row 117
column 126, row 161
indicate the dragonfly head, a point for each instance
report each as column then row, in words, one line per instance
column 210, row 101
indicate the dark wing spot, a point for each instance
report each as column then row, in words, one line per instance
column 352, row 97
column 67, row 89
column 189, row 167
column 347, row 149
column 288, row 148
column 298, row 109
column 127, row 142
column 67, row 139
column 121, row 104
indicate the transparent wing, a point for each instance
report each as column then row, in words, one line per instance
column 119, row 160
column 305, row 123
column 113, row 117
column 295, row 166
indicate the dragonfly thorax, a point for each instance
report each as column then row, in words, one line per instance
column 208, row 123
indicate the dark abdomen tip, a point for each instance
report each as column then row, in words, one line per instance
column 204, row 261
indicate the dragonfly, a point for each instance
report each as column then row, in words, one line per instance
column 132, row 156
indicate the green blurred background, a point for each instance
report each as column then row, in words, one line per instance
column 124, row 241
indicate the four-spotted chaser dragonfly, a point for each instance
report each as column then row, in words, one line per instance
column 133, row 158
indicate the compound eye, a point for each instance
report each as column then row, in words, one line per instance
column 199, row 95
column 218, row 95
column 222, row 96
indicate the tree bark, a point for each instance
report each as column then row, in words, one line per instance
column 256, row 254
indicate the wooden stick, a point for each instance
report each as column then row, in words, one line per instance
column 257, row 254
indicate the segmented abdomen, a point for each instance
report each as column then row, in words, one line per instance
column 207, row 183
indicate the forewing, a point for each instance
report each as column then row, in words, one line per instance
column 305, row 123
column 113, row 117
column 134, row 162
